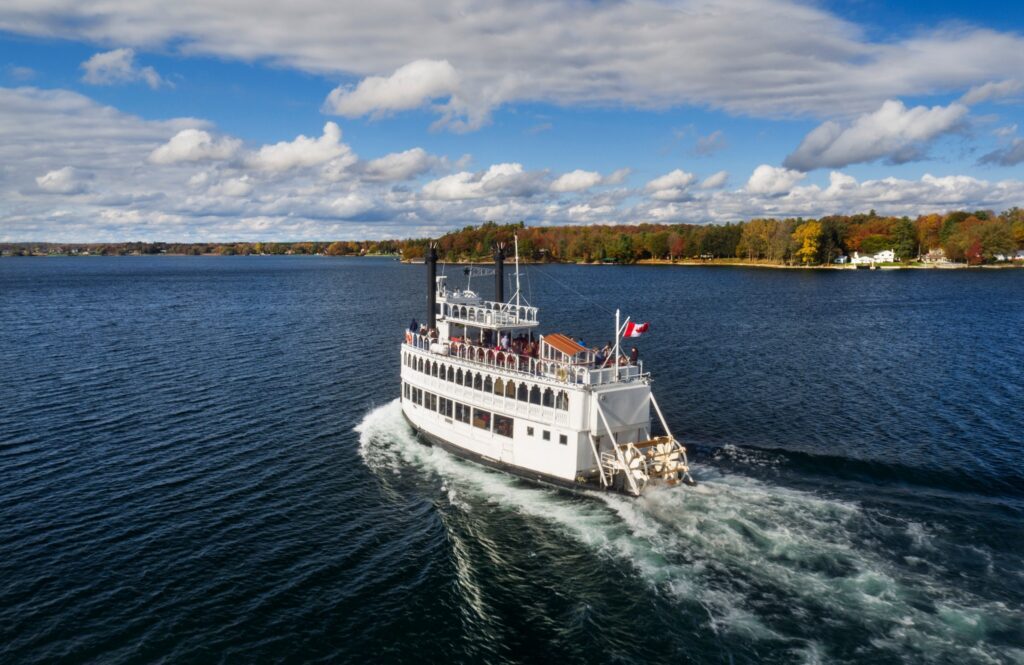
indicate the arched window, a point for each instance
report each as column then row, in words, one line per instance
column 478, row 382
column 451, row 373
column 535, row 395
column 488, row 385
column 421, row 364
column 469, row 380
column 458, row 377
column 510, row 390
column 499, row 387
column 463, row 313
column 433, row 369
column 524, row 393
column 441, row 371
column 549, row 397
column 562, row 400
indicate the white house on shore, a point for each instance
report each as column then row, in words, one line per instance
column 884, row 256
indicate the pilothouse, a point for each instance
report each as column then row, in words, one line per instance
column 480, row 381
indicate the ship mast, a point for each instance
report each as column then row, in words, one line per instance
column 516, row 238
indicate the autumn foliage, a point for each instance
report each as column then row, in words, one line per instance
column 973, row 237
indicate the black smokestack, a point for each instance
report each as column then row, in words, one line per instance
column 499, row 272
column 432, row 285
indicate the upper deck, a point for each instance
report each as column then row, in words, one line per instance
column 489, row 315
column 511, row 363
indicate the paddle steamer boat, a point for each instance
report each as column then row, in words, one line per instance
column 480, row 382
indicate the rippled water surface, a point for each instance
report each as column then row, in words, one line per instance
column 202, row 459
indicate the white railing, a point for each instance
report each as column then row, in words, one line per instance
column 509, row 361
column 488, row 313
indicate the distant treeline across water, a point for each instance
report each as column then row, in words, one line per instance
column 972, row 237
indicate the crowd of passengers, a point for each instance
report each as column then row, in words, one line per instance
column 524, row 345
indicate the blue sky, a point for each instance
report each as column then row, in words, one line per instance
column 134, row 120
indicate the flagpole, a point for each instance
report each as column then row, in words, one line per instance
column 618, row 332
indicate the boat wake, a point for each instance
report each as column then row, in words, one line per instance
column 754, row 562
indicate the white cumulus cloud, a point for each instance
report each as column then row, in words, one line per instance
column 67, row 180
column 672, row 186
column 399, row 166
column 303, row 151
column 194, row 145
column 893, row 132
column 508, row 179
column 118, row 66
column 408, row 87
column 773, row 180
column 715, row 180
column 576, row 181
column 232, row 187
column 673, row 179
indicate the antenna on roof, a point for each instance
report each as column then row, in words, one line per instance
column 515, row 237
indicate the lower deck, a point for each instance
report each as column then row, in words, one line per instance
column 579, row 484
column 533, row 445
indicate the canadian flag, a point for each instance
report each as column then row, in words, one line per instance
column 635, row 329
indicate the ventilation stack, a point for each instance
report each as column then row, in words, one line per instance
column 431, row 261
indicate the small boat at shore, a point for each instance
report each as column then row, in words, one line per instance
column 480, row 382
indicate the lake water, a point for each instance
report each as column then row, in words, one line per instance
column 202, row 459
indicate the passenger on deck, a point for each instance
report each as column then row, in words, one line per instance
column 633, row 356
column 414, row 326
column 599, row 358
column 504, row 341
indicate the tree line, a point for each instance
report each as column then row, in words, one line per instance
column 973, row 237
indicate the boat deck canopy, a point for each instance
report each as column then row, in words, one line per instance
column 563, row 343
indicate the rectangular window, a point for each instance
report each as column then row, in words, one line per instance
column 445, row 407
column 482, row 419
column 503, row 425
column 405, row 390
column 461, row 413
column 432, row 401
column 563, row 439
column 546, row 435
column 529, row 431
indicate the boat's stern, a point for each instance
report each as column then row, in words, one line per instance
column 628, row 458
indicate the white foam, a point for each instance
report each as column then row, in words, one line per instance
column 713, row 543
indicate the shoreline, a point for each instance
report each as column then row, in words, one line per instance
column 727, row 263
column 723, row 263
